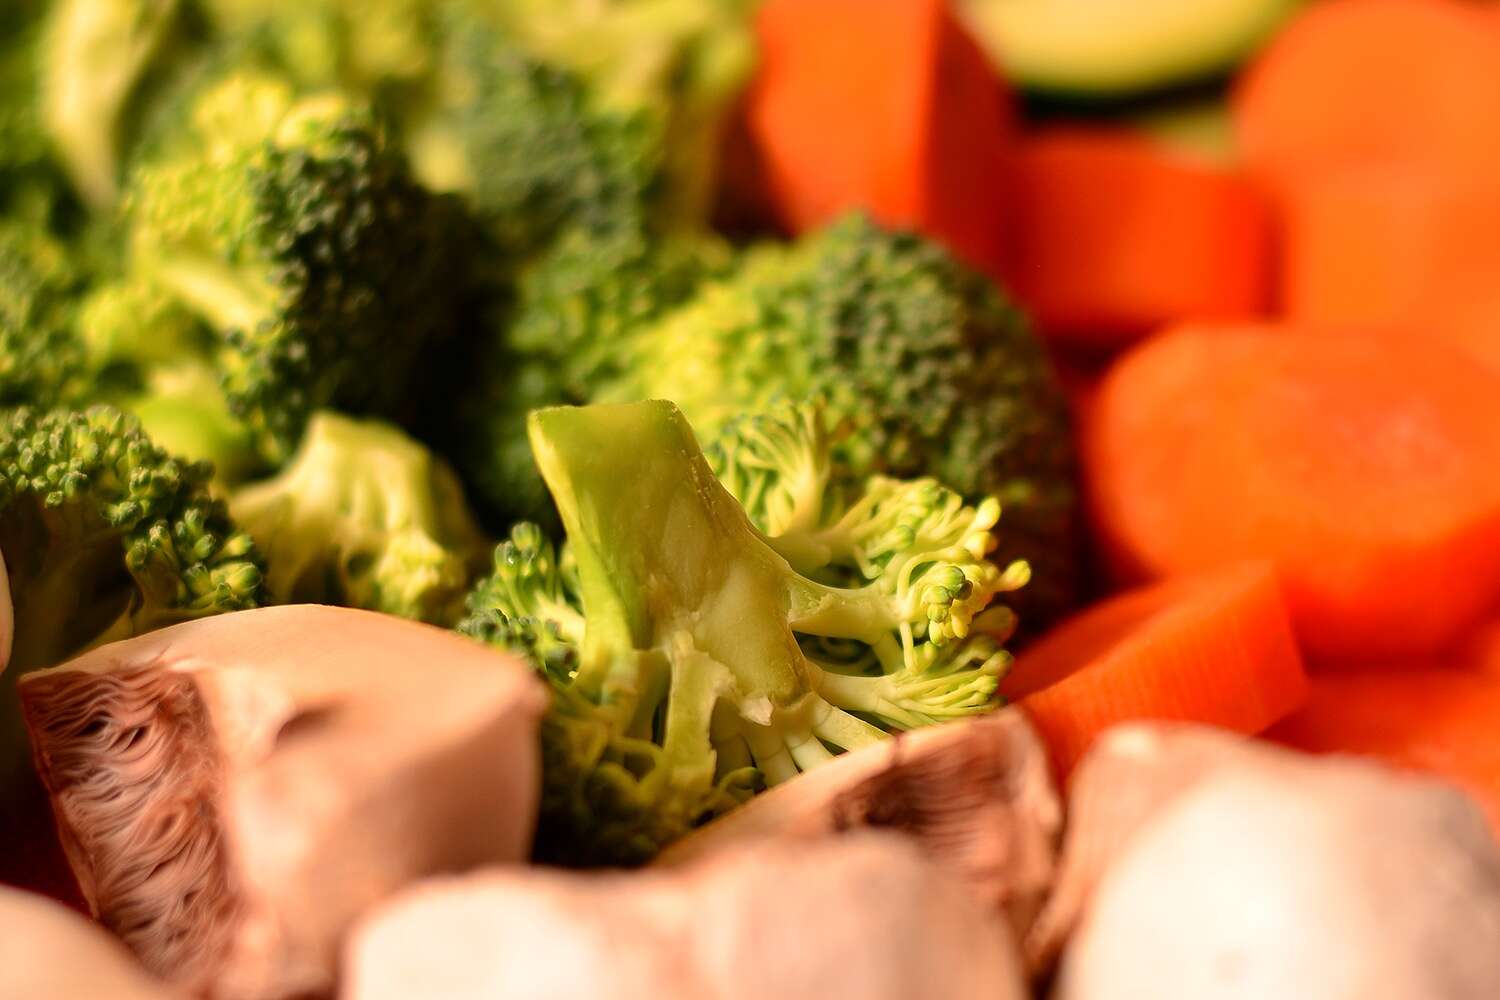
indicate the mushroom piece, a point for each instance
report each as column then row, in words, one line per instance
column 867, row 915
column 976, row 795
column 232, row 792
column 48, row 952
column 1290, row 877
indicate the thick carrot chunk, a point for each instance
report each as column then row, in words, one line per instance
column 1216, row 649
column 1116, row 236
column 886, row 106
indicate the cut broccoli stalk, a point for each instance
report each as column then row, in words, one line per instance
column 364, row 516
column 685, row 648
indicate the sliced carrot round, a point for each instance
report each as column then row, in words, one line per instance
column 1365, row 467
column 1216, row 649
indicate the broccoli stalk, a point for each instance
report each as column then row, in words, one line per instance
column 685, row 648
column 365, row 517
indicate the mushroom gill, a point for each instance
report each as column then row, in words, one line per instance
column 133, row 774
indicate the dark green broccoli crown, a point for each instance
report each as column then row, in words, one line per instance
column 565, row 332
column 365, row 261
column 41, row 361
column 106, row 536
column 328, row 271
column 931, row 369
column 529, row 145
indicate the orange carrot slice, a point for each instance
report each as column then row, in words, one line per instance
column 1365, row 467
column 1116, row 236
column 1216, row 649
column 886, row 106
column 1369, row 81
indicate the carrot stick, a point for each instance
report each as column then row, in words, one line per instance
column 1116, row 236
column 1366, row 467
column 1368, row 81
column 1216, row 649
column 887, row 106
column 1399, row 246
column 1442, row 722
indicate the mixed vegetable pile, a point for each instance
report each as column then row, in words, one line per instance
column 448, row 433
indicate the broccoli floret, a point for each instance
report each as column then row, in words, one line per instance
column 364, row 516
column 932, row 371
column 104, row 536
column 686, row 651
column 682, row 61
column 41, row 363
column 325, row 270
column 560, row 335
column 528, row 143
column 96, row 56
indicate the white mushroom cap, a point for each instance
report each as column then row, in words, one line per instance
column 1305, row 879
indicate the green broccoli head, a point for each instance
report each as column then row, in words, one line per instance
column 572, row 310
column 325, row 270
column 930, row 369
column 364, row 516
column 96, row 57
column 528, row 143
column 684, row 62
column 41, row 363
column 694, row 656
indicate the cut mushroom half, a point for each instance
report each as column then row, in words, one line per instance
column 234, row 791
column 976, row 795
